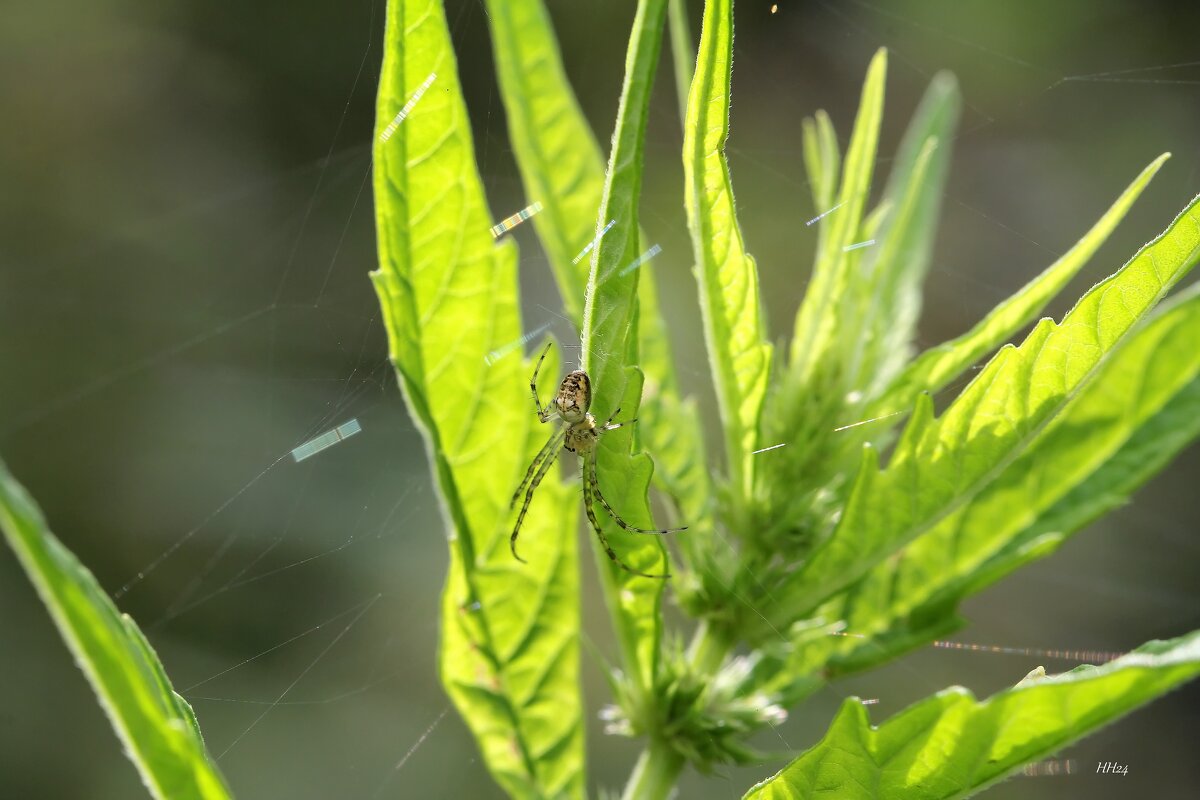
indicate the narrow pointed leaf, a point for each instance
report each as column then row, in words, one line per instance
column 561, row 167
column 886, row 293
column 1142, row 407
column 822, row 160
column 818, row 321
column 885, row 264
column 1155, row 386
column 940, row 464
column 669, row 428
column 509, row 652
column 950, row 745
column 609, row 348
column 557, row 154
column 155, row 725
column 727, row 276
column 898, row 265
column 939, row 366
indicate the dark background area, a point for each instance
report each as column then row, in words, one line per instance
column 185, row 234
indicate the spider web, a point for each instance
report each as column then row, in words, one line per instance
column 185, row 301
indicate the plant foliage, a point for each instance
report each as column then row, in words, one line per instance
column 509, row 654
column 950, row 745
column 155, row 725
column 818, row 538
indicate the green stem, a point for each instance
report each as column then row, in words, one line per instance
column 708, row 649
column 657, row 769
column 659, row 765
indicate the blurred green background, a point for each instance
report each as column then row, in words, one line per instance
column 185, row 233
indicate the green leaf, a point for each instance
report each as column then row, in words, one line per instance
column 155, row 725
column 818, row 331
column 938, row 366
column 1149, row 449
column 561, row 167
column 1122, row 429
column 1063, row 472
column 509, row 654
column 556, row 153
column 895, row 268
column 880, row 302
column 1142, row 407
column 939, row 465
column 951, row 745
column 672, row 429
column 727, row 276
column 822, row 161
column 609, row 355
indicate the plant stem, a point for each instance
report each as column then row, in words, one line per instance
column 657, row 769
column 708, row 648
column 659, row 765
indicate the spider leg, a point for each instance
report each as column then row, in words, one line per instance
column 543, row 413
column 608, row 423
column 533, row 467
column 591, row 515
column 590, row 468
column 537, row 479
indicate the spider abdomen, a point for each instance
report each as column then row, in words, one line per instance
column 574, row 397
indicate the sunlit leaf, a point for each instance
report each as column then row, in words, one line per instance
column 938, row 366
column 896, row 267
column 950, row 745
column 822, row 161
column 940, row 464
column 609, row 349
column 1142, row 407
column 561, row 167
column 820, row 320
column 510, row 631
column 560, row 163
column 155, row 725
column 726, row 274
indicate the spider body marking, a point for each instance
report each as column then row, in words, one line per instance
column 580, row 437
column 578, row 434
column 574, row 397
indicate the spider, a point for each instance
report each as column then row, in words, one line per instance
column 578, row 435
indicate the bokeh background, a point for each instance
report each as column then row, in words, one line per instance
column 185, row 236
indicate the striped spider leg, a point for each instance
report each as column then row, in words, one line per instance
column 578, row 434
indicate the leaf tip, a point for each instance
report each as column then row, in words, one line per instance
column 852, row 714
column 878, row 67
column 922, row 414
column 870, row 459
column 945, row 82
